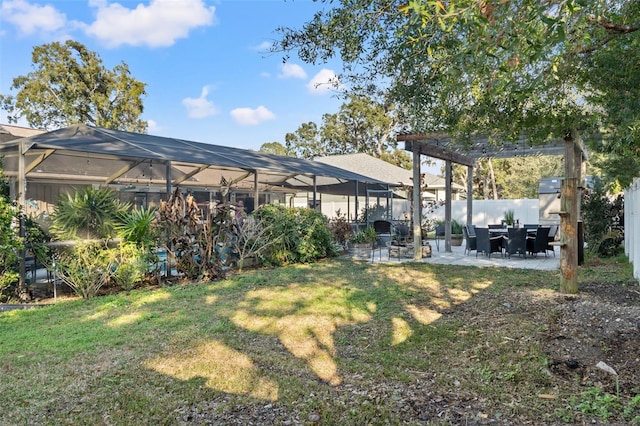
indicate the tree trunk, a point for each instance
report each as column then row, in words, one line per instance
column 492, row 178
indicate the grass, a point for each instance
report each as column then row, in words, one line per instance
column 333, row 342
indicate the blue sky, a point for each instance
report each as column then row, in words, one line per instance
column 205, row 64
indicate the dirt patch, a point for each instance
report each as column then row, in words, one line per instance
column 600, row 325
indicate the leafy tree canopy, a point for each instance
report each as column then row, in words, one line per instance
column 274, row 148
column 492, row 67
column 361, row 125
column 69, row 85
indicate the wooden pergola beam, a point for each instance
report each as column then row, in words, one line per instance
column 438, row 152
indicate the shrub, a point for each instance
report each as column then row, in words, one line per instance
column 300, row 234
column 131, row 263
column 602, row 218
column 86, row 267
column 10, row 245
column 340, row 228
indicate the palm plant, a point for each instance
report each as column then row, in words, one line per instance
column 139, row 226
column 88, row 213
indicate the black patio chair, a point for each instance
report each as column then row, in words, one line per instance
column 487, row 244
column 539, row 242
column 516, row 242
column 402, row 232
column 469, row 232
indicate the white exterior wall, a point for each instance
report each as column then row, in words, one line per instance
column 487, row 212
column 632, row 225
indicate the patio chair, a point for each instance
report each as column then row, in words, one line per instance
column 539, row 242
column 516, row 242
column 469, row 233
column 487, row 244
column 383, row 231
column 439, row 234
column 402, row 232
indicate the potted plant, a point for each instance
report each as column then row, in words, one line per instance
column 456, row 233
column 509, row 217
column 362, row 241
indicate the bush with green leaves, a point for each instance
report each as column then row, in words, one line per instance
column 10, row 245
column 340, row 228
column 301, row 235
column 132, row 264
column 85, row 267
column 602, row 217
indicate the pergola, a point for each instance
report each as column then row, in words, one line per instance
column 443, row 147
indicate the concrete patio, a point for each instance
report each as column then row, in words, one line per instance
column 458, row 257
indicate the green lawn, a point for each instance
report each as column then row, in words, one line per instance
column 333, row 342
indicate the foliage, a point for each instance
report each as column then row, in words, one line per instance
column 302, row 235
column 131, row 264
column 361, row 125
column 509, row 178
column 603, row 219
column 88, row 213
column 85, row 267
column 10, row 245
column 251, row 239
column 596, row 402
column 340, row 227
column 456, row 227
column 501, row 69
column 367, row 235
column 198, row 245
column 139, row 226
column 275, row 148
column 509, row 217
column 69, row 85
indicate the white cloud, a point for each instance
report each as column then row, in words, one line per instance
column 200, row 107
column 32, row 18
column 251, row 117
column 262, row 47
column 323, row 82
column 158, row 24
column 292, row 71
column 153, row 127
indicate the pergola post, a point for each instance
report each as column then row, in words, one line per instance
column 569, row 217
column 469, row 195
column 417, row 206
column 448, row 177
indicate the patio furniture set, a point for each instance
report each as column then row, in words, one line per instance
column 526, row 240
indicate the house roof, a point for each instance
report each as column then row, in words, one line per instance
column 376, row 168
column 86, row 154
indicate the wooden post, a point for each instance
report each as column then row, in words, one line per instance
column 447, row 206
column 568, row 236
column 569, row 219
column 417, row 206
column 469, row 195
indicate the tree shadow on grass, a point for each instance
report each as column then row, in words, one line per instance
column 261, row 334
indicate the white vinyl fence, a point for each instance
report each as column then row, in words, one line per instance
column 487, row 212
column 632, row 225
